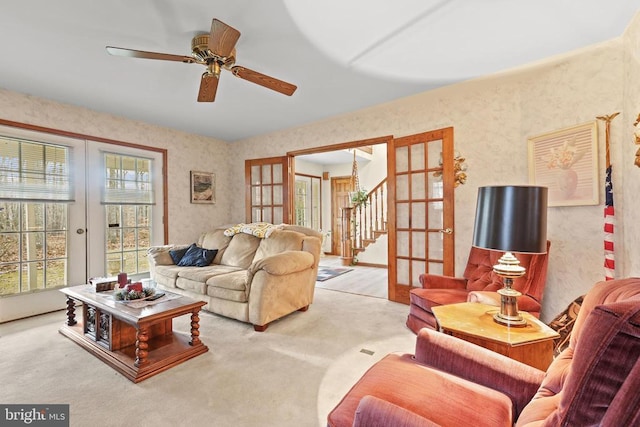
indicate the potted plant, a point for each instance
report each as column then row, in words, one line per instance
column 359, row 197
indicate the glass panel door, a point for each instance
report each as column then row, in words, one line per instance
column 420, row 190
column 42, row 242
column 125, row 214
column 267, row 183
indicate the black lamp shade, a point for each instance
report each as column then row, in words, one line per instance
column 511, row 218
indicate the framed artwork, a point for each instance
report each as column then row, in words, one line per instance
column 566, row 161
column 203, row 187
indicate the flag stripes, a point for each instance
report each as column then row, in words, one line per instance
column 609, row 222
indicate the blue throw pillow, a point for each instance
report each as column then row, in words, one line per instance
column 177, row 254
column 197, row 257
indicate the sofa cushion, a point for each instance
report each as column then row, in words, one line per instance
column 230, row 286
column 278, row 242
column 399, row 380
column 177, row 254
column 166, row 275
column 235, row 280
column 215, row 239
column 190, row 285
column 240, row 251
column 202, row 274
column 197, row 257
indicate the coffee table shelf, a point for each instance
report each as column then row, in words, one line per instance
column 137, row 342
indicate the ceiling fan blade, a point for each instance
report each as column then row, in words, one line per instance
column 131, row 53
column 208, row 87
column 223, row 38
column 264, row 80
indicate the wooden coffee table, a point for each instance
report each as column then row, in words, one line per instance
column 473, row 322
column 137, row 342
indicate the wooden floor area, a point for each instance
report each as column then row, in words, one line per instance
column 369, row 281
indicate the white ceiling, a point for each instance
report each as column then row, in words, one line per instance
column 337, row 157
column 342, row 55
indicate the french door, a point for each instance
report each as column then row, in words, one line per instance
column 267, row 196
column 420, row 209
column 42, row 240
column 125, row 217
column 48, row 240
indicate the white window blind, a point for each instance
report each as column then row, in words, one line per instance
column 32, row 171
column 128, row 180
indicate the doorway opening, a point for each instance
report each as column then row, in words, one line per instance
column 334, row 164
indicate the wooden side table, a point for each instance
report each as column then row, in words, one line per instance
column 473, row 322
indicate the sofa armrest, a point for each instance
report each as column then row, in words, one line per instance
column 434, row 281
column 525, row 302
column 286, row 262
column 280, row 284
column 159, row 255
column 375, row 412
column 479, row 365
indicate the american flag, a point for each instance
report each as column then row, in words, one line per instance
column 609, row 216
column 609, row 220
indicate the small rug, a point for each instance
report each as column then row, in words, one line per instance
column 326, row 273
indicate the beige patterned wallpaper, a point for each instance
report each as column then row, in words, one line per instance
column 628, row 207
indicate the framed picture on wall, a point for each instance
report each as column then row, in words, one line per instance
column 566, row 161
column 203, row 187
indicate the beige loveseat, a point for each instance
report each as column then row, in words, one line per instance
column 251, row 279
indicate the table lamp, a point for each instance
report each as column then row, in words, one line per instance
column 511, row 219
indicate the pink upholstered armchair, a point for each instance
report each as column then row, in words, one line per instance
column 478, row 277
column 450, row 382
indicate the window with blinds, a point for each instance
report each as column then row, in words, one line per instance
column 33, row 171
column 127, row 180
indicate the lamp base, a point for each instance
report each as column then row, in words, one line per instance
column 509, row 314
column 517, row 322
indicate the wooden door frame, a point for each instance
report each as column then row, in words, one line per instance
column 342, row 146
column 326, row 148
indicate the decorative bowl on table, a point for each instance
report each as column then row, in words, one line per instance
column 133, row 292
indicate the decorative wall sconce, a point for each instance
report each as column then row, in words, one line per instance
column 459, row 169
column 636, row 135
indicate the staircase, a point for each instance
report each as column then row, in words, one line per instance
column 370, row 218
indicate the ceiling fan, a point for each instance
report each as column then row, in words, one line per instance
column 216, row 51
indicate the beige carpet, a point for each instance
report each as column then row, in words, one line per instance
column 291, row 375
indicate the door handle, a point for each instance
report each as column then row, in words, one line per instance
column 446, row 231
column 80, row 231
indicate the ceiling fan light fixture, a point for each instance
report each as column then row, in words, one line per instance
column 215, row 50
column 200, row 48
